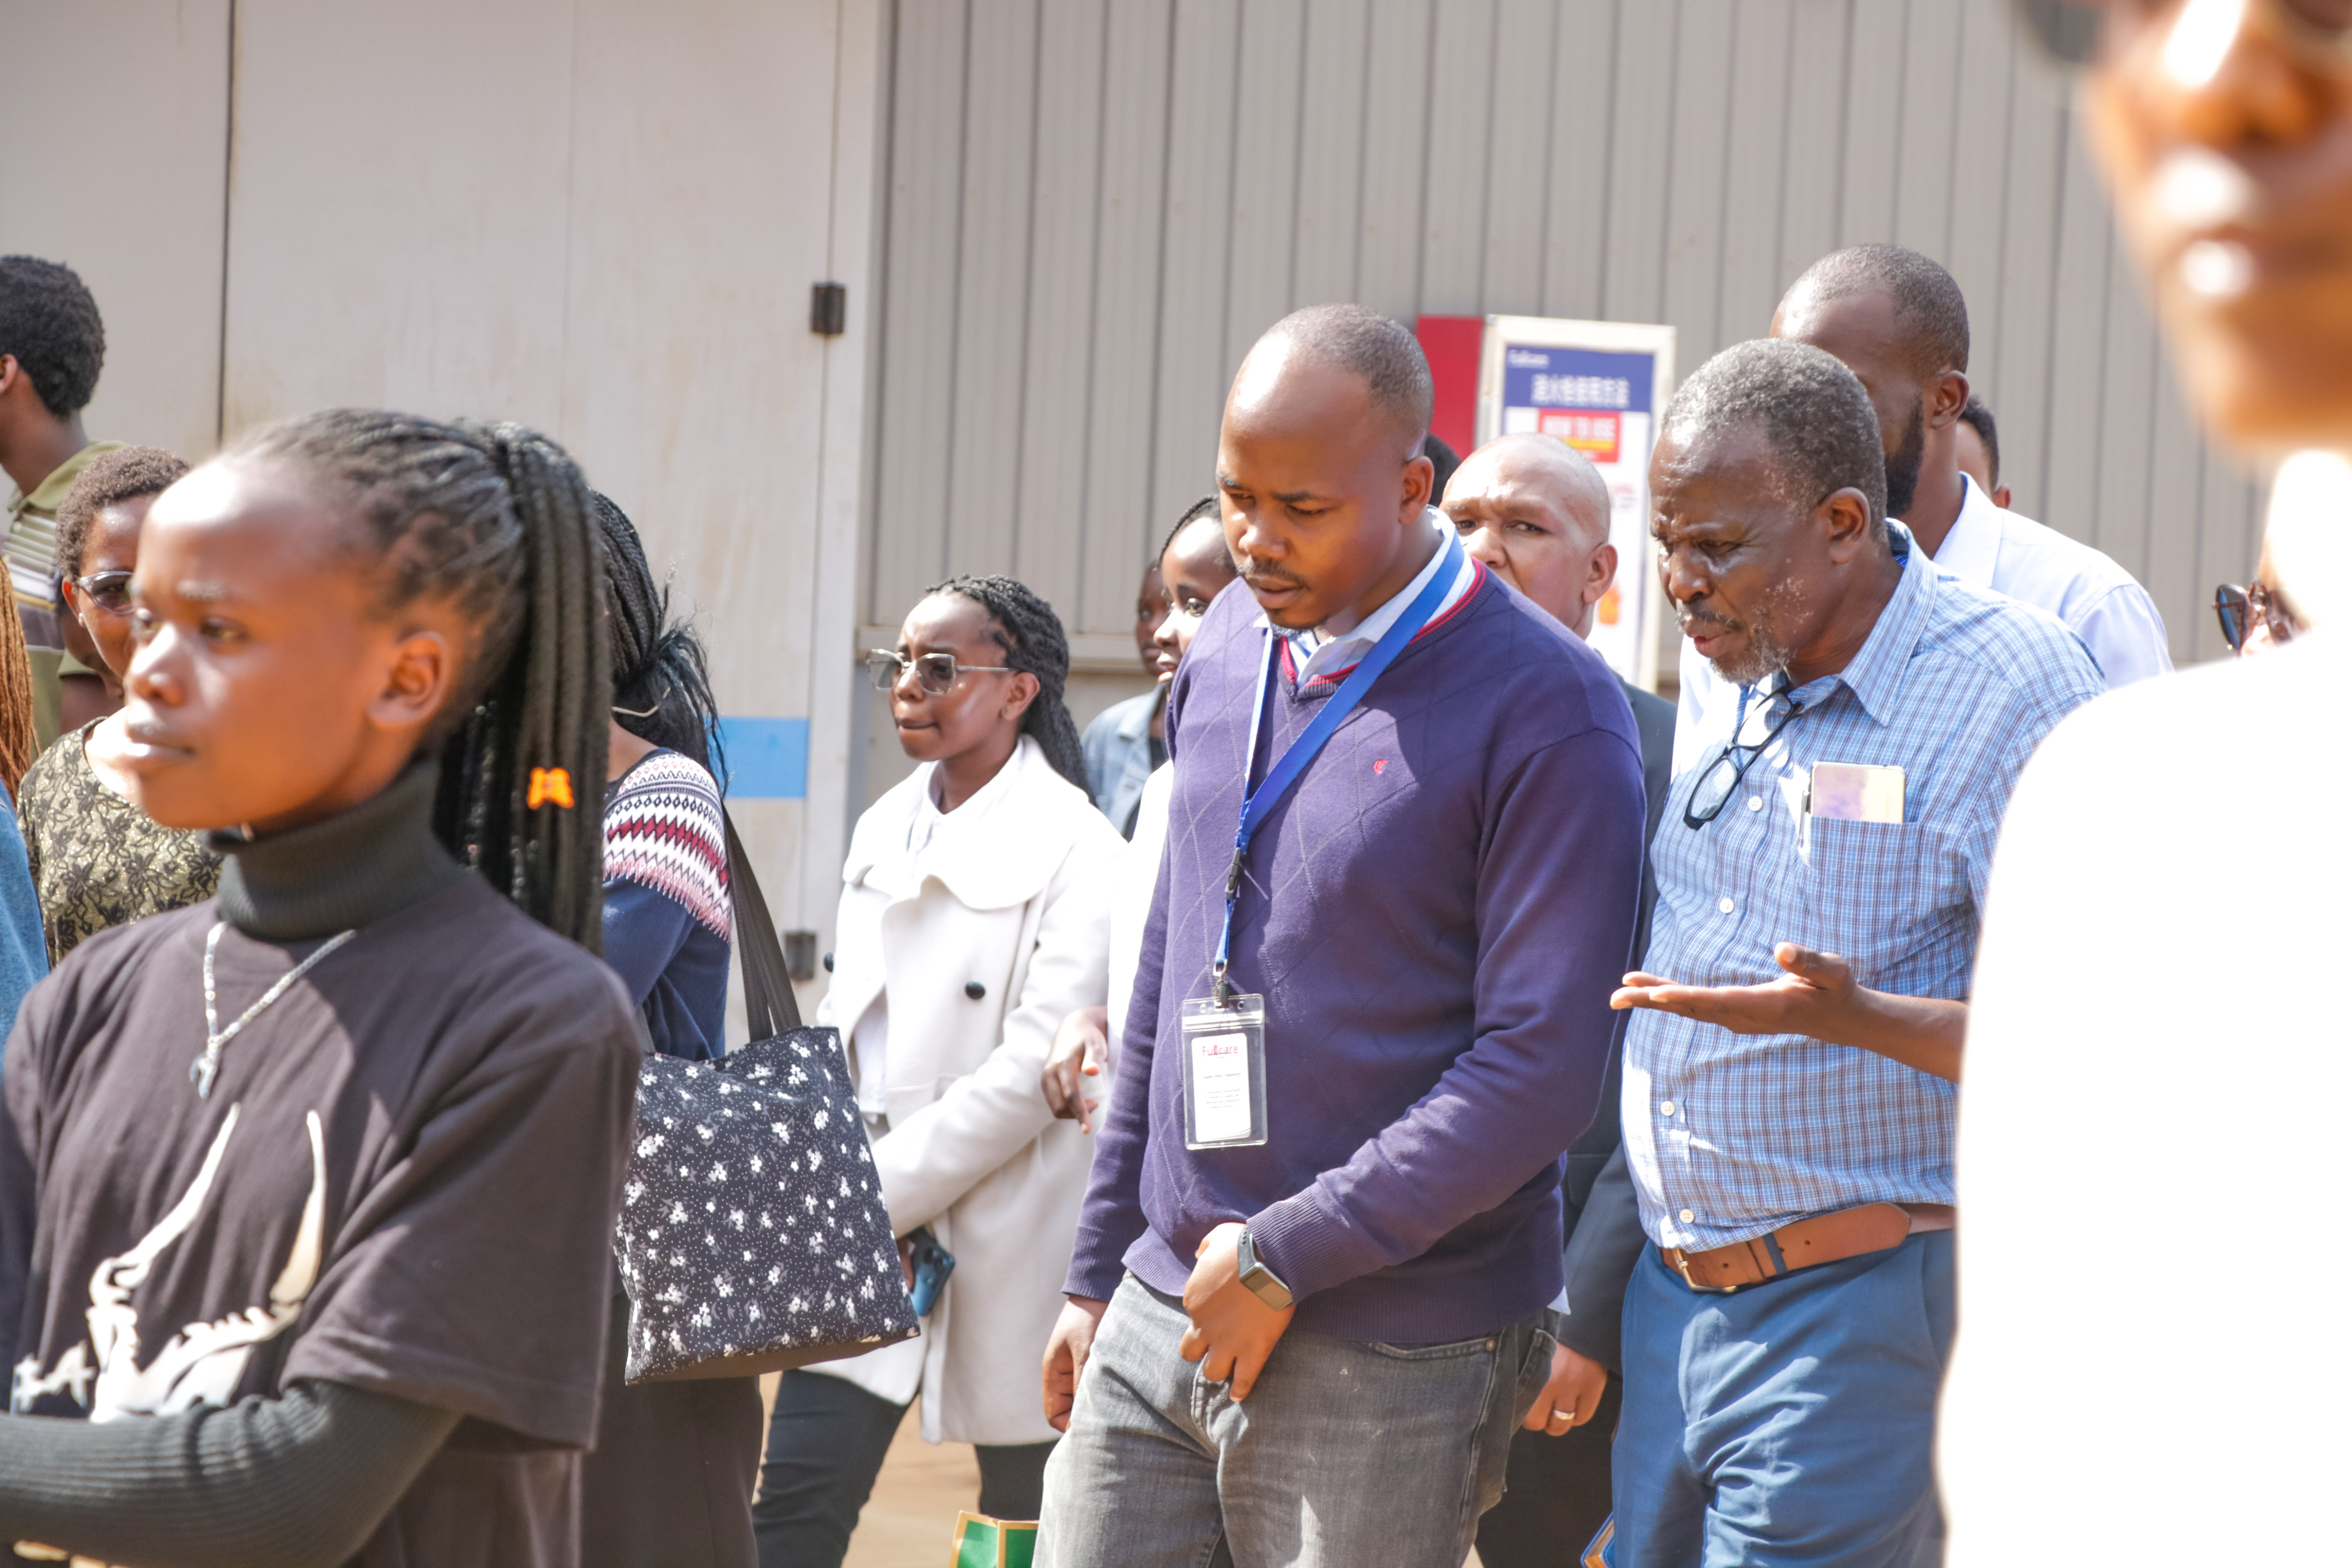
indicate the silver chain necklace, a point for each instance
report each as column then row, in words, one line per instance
column 206, row 1067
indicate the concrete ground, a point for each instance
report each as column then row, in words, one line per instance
column 909, row 1521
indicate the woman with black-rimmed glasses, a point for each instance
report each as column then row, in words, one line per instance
column 96, row 860
column 974, row 918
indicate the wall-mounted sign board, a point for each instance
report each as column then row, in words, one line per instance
column 1599, row 386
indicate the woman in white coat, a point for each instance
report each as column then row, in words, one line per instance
column 974, row 919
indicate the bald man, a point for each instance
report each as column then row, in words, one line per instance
column 1537, row 512
column 1315, row 1310
column 1898, row 321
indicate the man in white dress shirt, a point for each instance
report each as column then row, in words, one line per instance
column 1899, row 322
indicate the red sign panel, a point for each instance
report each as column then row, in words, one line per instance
column 1591, row 432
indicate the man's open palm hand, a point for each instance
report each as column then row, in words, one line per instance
column 1814, row 994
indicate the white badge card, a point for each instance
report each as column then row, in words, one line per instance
column 1224, row 1072
column 1854, row 792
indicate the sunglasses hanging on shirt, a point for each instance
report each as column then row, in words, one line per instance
column 1721, row 779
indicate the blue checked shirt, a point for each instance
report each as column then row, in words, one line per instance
column 1729, row 1136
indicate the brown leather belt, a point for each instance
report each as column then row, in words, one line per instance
column 1808, row 1243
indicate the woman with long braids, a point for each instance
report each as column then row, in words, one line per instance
column 973, row 920
column 669, row 1480
column 306, row 1191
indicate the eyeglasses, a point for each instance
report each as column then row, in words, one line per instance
column 2069, row 30
column 2241, row 610
column 110, row 591
column 1717, row 785
column 936, row 673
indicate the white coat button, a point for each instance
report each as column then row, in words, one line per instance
column 1667, row 1109
column 1755, row 803
column 1724, row 905
column 1688, row 1216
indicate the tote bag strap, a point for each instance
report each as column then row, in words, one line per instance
column 767, row 996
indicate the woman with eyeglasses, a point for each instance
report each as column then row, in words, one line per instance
column 974, row 918
column 96, row 860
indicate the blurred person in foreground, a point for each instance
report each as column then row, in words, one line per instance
column 1535, row 510
column 1196, row 567
column 1899, row 322
column 1323, row 1222
column 1789, row 1081
column 2150, row 1186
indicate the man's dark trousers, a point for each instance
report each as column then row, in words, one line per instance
column 1557, row 1495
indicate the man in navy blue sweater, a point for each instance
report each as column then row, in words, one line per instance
column 1304, row 1324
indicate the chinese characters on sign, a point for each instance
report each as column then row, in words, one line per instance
column 1595, row 385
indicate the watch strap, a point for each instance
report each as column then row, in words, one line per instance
column 1259, row 1279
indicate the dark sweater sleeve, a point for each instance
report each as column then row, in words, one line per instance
column 644, row 930
column 1555, row 902
column 1603, row 1252
column 301, row 1480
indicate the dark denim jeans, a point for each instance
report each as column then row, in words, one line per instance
column 1347, row 1452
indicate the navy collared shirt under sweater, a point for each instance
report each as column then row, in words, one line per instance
column 1436, row 915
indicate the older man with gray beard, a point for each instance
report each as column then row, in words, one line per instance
column 1789, row 1093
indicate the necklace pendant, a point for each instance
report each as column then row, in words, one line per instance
column 201, row 1072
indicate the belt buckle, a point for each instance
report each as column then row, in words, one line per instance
column 1682, row 1266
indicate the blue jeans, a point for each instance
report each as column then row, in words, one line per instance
column 1792, row 1422
column 1347, row 1452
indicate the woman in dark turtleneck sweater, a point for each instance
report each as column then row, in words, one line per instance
column 306, row 1192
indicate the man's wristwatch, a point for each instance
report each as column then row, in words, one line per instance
column 1257, row 1278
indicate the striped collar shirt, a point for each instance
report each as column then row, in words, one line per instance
column 1319, row 657
column 1732, row 1136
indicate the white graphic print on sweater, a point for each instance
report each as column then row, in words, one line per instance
column 201, row 1364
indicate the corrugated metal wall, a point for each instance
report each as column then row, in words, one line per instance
column 1095, row 206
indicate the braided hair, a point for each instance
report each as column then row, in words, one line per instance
column 1031, row 637
column 661, row 682
column 495, row 521
column 18, row 743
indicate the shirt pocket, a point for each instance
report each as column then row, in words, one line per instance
column 1872, row 890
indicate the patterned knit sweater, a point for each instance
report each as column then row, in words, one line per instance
column 663, row 829
column 667, row 921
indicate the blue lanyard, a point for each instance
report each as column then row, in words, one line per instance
column 1301, row 752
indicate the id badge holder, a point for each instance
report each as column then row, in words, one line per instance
column 1224, row 1072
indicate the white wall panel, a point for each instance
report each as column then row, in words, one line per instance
column 1262, row 250
column 1676, row 159
column 1465, row 97
column 400, row 208
column 1064, row 203
column 1121, row 330
column 602, row 217
column 115, row 166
